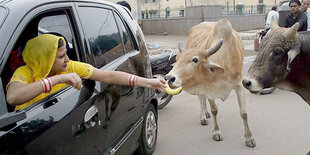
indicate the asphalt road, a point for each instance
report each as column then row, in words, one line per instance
column 280, row 124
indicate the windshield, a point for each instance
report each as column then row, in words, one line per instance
column 3, row 14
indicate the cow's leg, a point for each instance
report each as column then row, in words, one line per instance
column 204, row 115
column 216, row 133
column 241, row 100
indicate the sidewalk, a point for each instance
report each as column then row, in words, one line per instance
column 158, row 43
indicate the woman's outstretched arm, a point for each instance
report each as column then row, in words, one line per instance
column 19, row 93
column 122, row 78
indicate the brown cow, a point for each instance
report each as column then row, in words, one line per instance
column 210, row 67
column 283, row 61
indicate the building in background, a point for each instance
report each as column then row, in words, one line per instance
column 147, row 9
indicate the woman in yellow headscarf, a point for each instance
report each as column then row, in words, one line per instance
column 49, row 69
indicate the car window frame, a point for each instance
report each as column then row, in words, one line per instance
column 21, row 27
column 89, row 51
column 6, row 11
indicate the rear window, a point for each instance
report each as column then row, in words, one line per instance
column 3, row 14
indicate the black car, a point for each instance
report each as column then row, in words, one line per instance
column 101, row 118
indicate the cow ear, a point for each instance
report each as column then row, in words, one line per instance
column 180, row 46
column 215, row 68
column 291, row 32
column 274, row 24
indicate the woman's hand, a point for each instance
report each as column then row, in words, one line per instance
column 158, row 84
column 71, row 79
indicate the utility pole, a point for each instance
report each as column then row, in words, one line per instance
column 139, row 9
column 159, row 9
column 227, row 7
column 234, row 5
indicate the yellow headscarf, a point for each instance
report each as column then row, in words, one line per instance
column 40, row 53
column 39, row 56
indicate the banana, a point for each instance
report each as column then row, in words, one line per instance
column 172, row 91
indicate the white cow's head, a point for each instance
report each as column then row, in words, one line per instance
column 192, row 67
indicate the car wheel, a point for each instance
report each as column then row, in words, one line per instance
column 148, row 137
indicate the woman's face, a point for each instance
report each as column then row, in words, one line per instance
column 61, row 60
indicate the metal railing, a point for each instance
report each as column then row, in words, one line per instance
column 243, row 10
column 162, row 13
column 226, row 10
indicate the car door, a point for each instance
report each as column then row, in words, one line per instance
column 67, row 122
column 107, row 50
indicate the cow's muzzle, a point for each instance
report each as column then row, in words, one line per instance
column 169, row 78
column 173, row 81
column 252, row 85
column 246, row 83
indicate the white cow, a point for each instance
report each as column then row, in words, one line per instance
column 210, row 67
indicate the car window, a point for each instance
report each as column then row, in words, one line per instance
column 3, row 14
column 57, row 23
column 48, row 22
column 124, row 34
column 102, row 34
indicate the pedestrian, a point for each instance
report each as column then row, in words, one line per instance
column 272, row 15
column 305, row 4
column 127, row 5
column 296, row 16
column 48, row 69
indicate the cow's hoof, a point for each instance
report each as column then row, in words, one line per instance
column 250, row 143
column 217, row 136
column 204, row 121
column 208, row 115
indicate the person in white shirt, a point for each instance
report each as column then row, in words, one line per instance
column 273, row 14
column 305, row 4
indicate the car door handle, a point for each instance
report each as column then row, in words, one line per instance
column 51, row 102
column 91, row 117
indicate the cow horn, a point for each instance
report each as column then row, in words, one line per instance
column 214, row 48
column 291, row 32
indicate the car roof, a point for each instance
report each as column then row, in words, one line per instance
column 28, row 4
column 19, row 8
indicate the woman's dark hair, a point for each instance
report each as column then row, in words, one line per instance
column 296, row 1
column 60, row 43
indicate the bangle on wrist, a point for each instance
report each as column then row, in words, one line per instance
column 132, row 80
column 46, row 84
